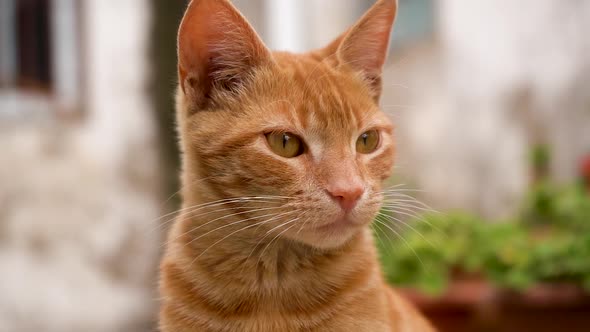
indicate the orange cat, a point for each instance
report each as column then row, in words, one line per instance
column 283, row 159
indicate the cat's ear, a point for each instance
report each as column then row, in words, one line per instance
column 217, row 49
column 364, row 47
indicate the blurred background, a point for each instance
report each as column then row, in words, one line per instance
column 491, row 100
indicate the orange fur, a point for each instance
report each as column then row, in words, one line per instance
column 262, row 243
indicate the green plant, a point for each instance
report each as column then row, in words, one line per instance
column 549, row 243
column 550, row 205
column 540, row 158
column 423, row 255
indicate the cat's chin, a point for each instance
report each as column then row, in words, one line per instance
column 336, row 227
column 330, row 235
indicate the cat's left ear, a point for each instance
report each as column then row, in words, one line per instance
column 364, row 47
column 217, row 49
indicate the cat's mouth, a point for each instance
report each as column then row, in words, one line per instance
column 337, row 226
column 332, row 232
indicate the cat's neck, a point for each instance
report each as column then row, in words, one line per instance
column 289, row 276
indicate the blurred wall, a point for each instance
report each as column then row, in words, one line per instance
column 495, row 79
column 531, row 55
column 79, row 191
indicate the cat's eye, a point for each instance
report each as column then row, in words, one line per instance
column 285, row 144
column 368, row 142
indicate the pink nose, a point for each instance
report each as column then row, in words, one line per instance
column 347, row 194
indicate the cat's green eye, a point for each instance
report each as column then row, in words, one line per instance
column 285, row 144
column 368, row 142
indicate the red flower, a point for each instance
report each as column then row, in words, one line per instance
column 585, row 167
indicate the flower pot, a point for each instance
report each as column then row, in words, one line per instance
column 474, row 305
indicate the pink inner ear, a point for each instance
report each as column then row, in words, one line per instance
column 193, row 37
column 365, row 45
column 215, row 42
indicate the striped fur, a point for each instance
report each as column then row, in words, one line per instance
column 259, row 245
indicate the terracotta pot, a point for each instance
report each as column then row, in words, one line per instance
column 459, row 308
column 549, row 295
column 474, row 305
column 545, row 308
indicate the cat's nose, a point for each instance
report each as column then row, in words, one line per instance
column 346, row 193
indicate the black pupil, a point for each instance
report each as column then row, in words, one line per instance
column 365, row 138
column 286, row 139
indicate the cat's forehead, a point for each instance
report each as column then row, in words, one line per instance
column 317, row 97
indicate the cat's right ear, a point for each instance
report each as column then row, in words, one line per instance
column 217, row 49
column 363, row 48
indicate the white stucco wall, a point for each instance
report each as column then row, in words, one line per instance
column 79, row 199
column 497, row 47
column 465, row 105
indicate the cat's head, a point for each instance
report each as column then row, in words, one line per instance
column 302, row 135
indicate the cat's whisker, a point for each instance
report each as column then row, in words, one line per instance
column 392, row 218
column 378, row 231
column 408, row 197
column 394, row 186
column 242, row 201
column 191, row 209
column 399, row 207
column 257, row 228
column 190, row 185
column 395, row 197
column 401, row 195
column 402, row 190
column 303, row 225
column 190, row 212
column 224, row 238
column 404, row 240
column 378, row 222
column 415, row 206
column 408, row 201
column 421, row 219
column 409, row 205
column 272, row 215
column 279, row 226
column 256, row 246
column 412, row 214
column 277, row 236
column 399, row 185
column 222, row 218
column 411, row 210
column 218, row 202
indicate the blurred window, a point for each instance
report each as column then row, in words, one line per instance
column 414, row 22
column 40, row 57
column 7, row 42
column 33, row 44
column 298, row 25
